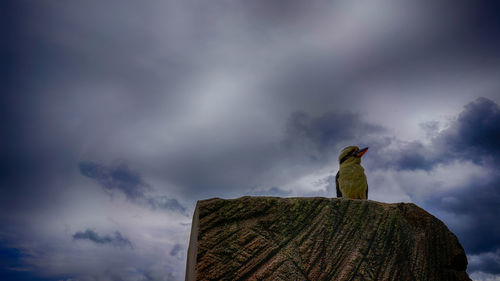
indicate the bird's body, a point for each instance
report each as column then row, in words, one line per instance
column 351, row 179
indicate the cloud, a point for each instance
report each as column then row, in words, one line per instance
column 473, row 136
column 129, row 182
column 115, row 178
column 166, row 203
column 116, row 239
column 159, row 273
column 413, row 156
column 488, row 262
column 273, row 191
column 482, row 276
column 12, row 267
column 466, row 200
column 320, row 137
column 330, row 183
column 472, row 208
column 176, row 249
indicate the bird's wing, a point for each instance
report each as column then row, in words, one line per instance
column 366, row 192
column 339, row 193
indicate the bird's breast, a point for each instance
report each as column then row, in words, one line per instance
column 351, row 171
column 352, row 181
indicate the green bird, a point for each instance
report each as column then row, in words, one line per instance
column 351, row 179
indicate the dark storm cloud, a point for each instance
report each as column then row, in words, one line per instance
column 116, row 178
column 319, row 136
column 116, row 239
column 476, row 133
column 413, row 156
column 473, row 136
column 473, row 208
column 479, row 202
column 129, row 182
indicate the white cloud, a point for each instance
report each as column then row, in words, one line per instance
column 482, row 276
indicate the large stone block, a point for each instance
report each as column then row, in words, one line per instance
column 269, row 238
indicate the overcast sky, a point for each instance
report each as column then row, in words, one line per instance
column 117, row 116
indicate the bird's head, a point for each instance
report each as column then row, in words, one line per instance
column 351, row 154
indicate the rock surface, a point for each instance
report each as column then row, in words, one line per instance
column 270, row 238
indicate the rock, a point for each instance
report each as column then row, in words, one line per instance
column 270, row 238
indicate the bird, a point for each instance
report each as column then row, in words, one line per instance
column 351, row 179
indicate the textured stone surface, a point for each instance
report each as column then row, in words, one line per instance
column 269, row 238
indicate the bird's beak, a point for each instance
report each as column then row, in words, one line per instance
column 361, row 152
